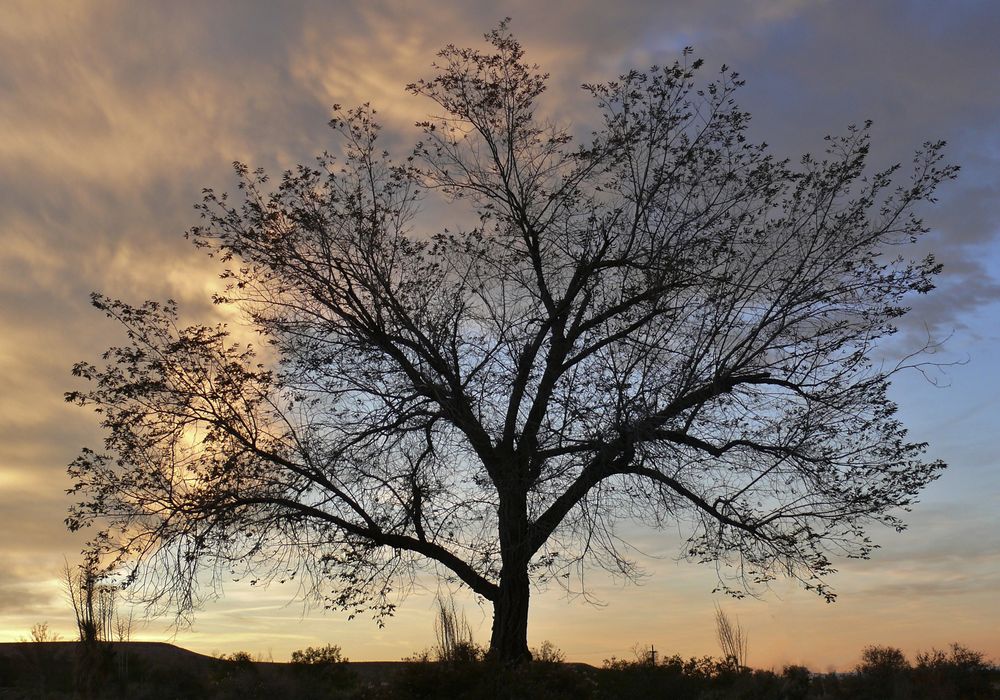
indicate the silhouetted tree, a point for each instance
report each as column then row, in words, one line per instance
column 453, row 633
column 960, row 673
column 41, row 633
column 94, row 603
column 732, row 640
column 882, row 673
column 92, row 599
column 664, row 325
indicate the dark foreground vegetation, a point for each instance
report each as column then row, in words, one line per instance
column 147, row 670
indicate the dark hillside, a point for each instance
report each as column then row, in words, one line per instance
column 160, row 652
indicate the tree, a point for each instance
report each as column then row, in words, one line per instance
column 41, row 633
column 453, row 633
column 94, row 601
column 882, row 672
column 319, row 656
column 664, row 325
column 732, row 640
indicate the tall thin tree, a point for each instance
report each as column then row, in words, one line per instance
column 732, row 638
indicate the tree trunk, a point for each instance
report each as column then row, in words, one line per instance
column 509, row 641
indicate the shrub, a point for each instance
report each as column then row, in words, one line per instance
column 40, row 633
column 454, row 635
column 881, row 660
column 323, row 670
column 883, row 673
column 329, row 654
column 243, row 659
column 959, row 673
column 674, row 676
column 795, row 683
column 548, row 653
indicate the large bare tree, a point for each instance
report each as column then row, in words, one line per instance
column 664, row 325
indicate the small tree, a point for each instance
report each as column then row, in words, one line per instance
column 960, row 673
column 882, row 672
column 455, row 643
column 319, row 656
column 548, row 653
column 94, row 602
column 881, row 660
column 665, row 324
column 732, row 640
column 123, row 625
column 41, row 633
column 325, row 665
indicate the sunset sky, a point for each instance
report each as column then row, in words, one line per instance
column 115, row 115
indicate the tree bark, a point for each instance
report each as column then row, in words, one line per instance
column 509, row 640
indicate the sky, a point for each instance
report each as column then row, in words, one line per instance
column 115, row 115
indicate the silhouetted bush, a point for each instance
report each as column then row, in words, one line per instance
column 319, row 656
column 322, row 672
column 696, row 677
column 959, row 673
column 548, row 653
column 795, row 683
column 883, row 674
column 485, row 680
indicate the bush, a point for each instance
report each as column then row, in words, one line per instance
column 959, row 673
column 882, row 660
column 882, row 674
column 454, row 635
column 243, row 659
column 674, row 676
column 322, row 671
column 326, row 655
column 795, row 683
column 548, row 653
column 485, row 680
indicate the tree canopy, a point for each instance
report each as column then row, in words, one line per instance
column 664, row 325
